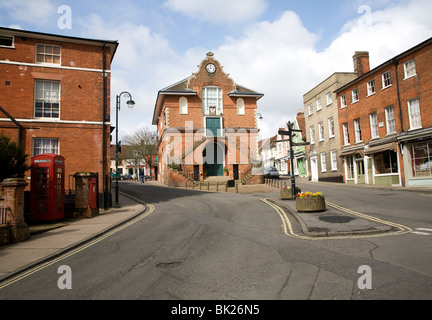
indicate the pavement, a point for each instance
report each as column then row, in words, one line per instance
column 48, row 242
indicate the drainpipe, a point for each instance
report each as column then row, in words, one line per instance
column 396, row 63
column 103, row 126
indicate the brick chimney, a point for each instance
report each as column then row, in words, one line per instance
column 361, row 62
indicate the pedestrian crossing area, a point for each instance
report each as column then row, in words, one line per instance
column 422, row 231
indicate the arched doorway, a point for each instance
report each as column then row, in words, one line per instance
column 213, row 158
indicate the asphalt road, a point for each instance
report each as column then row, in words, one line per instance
column 226, row 246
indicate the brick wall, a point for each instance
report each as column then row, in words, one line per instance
column 81, row 100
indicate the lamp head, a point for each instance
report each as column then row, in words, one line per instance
column 130, row 103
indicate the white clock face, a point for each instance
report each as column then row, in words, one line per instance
column 211, row 68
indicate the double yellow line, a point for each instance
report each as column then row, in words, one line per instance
column 150, row 209
column 288, row 229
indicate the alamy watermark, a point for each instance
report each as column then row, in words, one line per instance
column 365, row 280
column 65, row 20
column 65, row 280
column 366, row 19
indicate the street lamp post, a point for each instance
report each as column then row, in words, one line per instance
column 130, row 104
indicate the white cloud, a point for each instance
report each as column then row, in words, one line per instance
column 278, row 58
column 221, row 11
column 144, row 63
column 30, row 11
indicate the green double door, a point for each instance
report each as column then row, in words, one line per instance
column 215, row 165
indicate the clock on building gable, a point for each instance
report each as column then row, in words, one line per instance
column 211, row 68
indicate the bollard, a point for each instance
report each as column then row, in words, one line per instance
column 208, row 185
column 236, row 187
column 217, row 186
column 226, row 186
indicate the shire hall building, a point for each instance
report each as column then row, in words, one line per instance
column 207, row 127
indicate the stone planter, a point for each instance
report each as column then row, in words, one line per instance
column 310, row 204
column 286, row 194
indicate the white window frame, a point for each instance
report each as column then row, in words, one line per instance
column 333, row 157
column 346, row 134
column 323, row 162
column 329, row 98
column 8, row 37
column 343, row 101
column 310, row 108
column 183, row 105
column 48, row 145
column 371, row 87
column 357, row 130
column 331, row 127
column 355, row 95
column 409, row 69
column 38, row 98
column 390, row 120
column 386, row 80
column 240, row 107
column 312, row 134
column 45, row 54
column 321, row 131
column 373, row 118
column 218, row 98
column 414, row 113
column 319, row 104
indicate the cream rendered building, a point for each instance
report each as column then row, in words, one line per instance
column 321, row 126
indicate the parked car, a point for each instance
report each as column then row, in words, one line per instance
column 127, row 176
column 271, row 172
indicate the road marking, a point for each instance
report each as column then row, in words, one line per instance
column 150, row 209
column 287, row 227
column 288, row 230
column 426, row 194
column 402, row 228
column 428, row 232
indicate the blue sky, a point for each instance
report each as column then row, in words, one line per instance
column 280, row 48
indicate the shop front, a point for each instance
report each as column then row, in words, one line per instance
column 417, row 155
column 384, row 162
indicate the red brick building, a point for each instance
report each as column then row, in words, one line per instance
column 207, row 126
column 385, row 118
column 57, row 90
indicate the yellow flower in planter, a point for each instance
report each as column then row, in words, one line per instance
column 310, row 202
column 309, row 195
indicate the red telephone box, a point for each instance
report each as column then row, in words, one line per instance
column 47, row 187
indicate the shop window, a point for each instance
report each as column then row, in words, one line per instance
column 386, row 162
column 421, row 159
